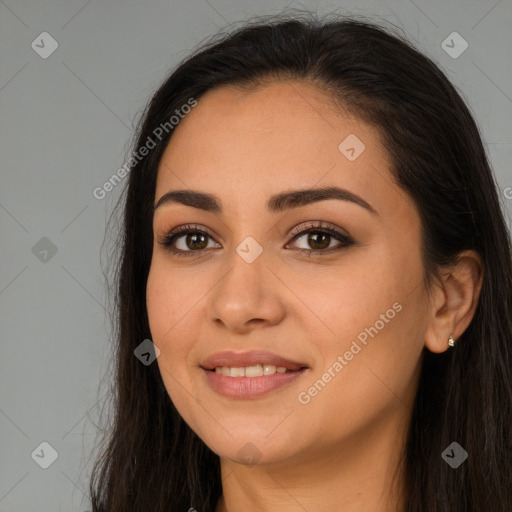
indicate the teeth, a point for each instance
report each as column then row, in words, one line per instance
column 250, row 371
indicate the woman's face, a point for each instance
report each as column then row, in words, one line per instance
column 353, row 315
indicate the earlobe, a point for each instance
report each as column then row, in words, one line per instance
column 454, row 305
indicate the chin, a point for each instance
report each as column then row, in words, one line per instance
column 253, row 450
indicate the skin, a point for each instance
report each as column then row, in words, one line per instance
column 345, row 445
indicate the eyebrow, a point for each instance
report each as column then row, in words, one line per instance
column 277, row 203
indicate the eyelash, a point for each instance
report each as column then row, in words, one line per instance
column 169, row 239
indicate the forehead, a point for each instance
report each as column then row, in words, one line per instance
column 240, row 144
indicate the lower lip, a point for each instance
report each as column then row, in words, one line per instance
column 250, row 387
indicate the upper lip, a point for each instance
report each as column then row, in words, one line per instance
column 249, row 358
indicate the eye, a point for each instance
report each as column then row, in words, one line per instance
column 319, row 237
column 195, row 240
column 193, row 237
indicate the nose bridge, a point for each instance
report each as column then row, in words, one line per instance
column 247, row 237
column 247, row 273
column 244, row 292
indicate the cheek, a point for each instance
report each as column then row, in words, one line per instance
column 355, row 296
column 169, row 308
column 167, row 298
column 368, row 371
column 376, row 319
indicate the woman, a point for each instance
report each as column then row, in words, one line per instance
column 376, row 377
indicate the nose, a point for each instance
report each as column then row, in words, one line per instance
column 246, row 295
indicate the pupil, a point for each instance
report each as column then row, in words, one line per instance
column 315, row 235
column 194, row 237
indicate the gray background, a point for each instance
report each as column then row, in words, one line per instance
column 66, row 125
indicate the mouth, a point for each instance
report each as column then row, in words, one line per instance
column 255, row 362
column 258, row 370
column 249, row 388
column 251, row 374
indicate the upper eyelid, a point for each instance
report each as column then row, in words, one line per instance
column 303, row 226
column 319, row 225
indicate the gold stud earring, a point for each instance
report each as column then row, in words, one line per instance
column 451, row 341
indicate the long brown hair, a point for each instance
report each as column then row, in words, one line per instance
column 150, row 460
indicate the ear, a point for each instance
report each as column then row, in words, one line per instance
column 454, row 300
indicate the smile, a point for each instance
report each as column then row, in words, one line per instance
column 257, row 370
column 241, row 386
